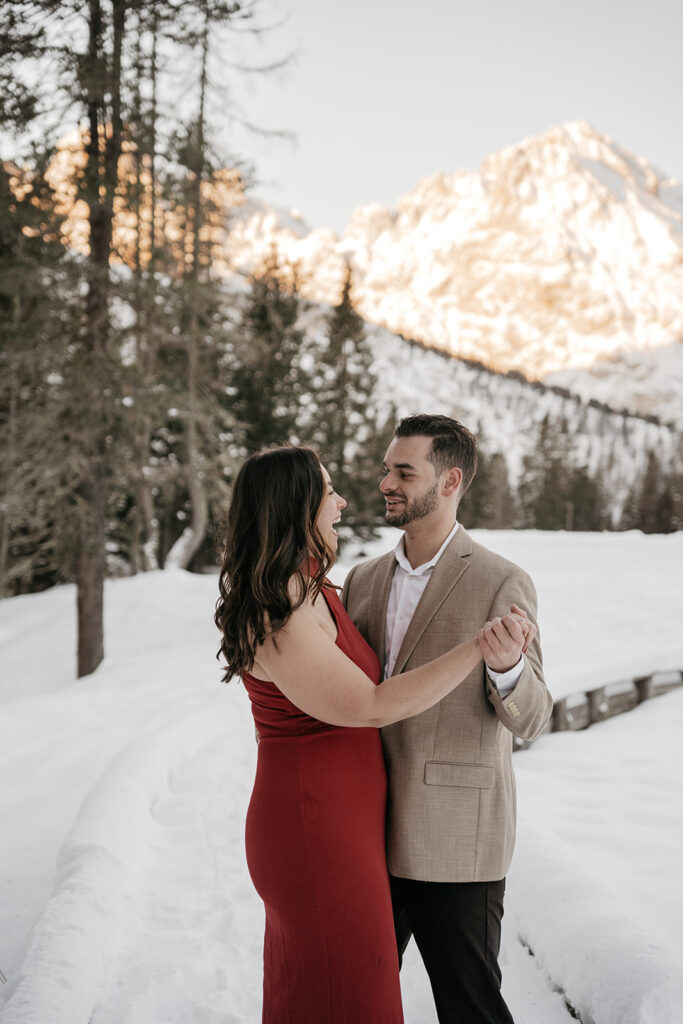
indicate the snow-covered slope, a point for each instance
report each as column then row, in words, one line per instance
column 125, row 892
column 505, row 411
column 560, row 253
column 649, row 382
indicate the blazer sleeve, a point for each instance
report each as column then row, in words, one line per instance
column 528, row 707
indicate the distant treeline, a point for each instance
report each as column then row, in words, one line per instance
column 553, row 493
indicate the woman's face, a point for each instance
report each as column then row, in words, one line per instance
column 329, row 513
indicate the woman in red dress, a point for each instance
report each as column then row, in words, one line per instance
column 315, row 825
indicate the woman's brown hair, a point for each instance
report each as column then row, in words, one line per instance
column 270, row 537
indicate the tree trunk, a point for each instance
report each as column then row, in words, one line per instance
column 150, row 523
column 185, row 548
column 103, row 151
column 6, row 505
column 146, row 534
column 90, row 574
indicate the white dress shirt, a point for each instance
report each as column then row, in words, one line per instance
column 407, row 587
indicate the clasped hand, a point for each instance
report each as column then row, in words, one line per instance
column 503, row 641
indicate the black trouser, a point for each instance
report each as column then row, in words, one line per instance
column 457, row 929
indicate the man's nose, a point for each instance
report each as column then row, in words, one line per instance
column 385, row 483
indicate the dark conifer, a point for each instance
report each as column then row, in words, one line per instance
column 267, row 383
column 349, row 430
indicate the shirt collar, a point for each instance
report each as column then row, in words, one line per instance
column 420, row 570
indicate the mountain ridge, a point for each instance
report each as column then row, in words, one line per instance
column 563, row 253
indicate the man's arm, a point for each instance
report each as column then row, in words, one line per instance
column 527, row 708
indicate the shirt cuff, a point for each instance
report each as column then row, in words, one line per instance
column 505, row 682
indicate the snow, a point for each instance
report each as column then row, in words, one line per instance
column 122, row 875
column 649, row 382
column 594, row 884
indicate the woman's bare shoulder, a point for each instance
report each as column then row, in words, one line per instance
column 285, row 641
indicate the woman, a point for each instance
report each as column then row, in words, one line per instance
column 315, row 825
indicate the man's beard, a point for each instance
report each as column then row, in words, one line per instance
column 418, row 508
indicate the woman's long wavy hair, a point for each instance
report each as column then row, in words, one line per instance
column 271, row 536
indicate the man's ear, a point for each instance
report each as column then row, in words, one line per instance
column 452, row 480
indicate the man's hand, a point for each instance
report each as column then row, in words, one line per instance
column 503, row 640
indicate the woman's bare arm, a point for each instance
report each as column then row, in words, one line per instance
column 312, row 672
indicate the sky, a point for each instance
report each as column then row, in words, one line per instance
column 381, row 93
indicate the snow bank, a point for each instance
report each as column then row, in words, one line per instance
column 593, row 889
column 148, row 923
column 75, row 941
column 614, row 966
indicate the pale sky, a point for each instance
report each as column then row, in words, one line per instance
column 381, row 94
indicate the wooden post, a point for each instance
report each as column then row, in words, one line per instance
column 561, row 716
column 644, row 688
column 598, row 705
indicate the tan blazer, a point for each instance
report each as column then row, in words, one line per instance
column 452, row 800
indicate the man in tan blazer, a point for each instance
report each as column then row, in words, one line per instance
column 451, row 809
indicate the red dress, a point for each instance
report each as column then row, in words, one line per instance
column 316, row 854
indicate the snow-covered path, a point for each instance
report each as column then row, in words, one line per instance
column 189, row 949
column 124, row 796
column 194, row 954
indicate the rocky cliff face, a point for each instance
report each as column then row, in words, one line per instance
column 562, row 255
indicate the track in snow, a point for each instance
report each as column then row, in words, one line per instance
column 192, row 953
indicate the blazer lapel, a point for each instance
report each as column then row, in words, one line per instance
column 379, row 599
column 453, row 563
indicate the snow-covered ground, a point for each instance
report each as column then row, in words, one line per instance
column 124, row 888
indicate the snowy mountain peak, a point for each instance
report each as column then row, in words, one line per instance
column 563, row 252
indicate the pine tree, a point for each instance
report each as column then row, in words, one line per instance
column 585, row 502
column 37, row 278
column 348, row 428
column 489, row 502
column 545, row 474
column 654, row 503
column 91, row 79
column 268, row 382
column 90, row 60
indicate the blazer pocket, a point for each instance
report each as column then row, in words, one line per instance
column 450, row 773
column 449, row 625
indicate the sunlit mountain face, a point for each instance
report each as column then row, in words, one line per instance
column 561, row 259
column 562, row 256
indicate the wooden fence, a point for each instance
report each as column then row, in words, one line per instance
column 580, row 710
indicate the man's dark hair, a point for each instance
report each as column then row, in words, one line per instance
column 452, row 443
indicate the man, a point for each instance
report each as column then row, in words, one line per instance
column 451, row 809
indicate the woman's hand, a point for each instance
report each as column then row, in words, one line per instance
column 503, row 641
column 528, row 628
